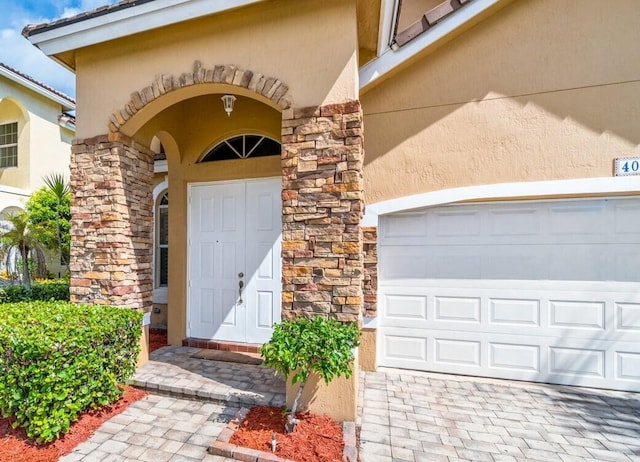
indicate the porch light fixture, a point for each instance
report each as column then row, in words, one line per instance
column 228, row 101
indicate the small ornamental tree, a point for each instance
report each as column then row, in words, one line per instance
column 302, row 346
column 50, row 209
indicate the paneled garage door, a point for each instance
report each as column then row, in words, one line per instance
column 542, row 291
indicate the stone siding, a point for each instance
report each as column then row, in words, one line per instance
column 323, row 205
column 265, row 86
column 370, row 282
column 111, row 222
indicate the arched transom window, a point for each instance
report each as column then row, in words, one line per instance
column 243, row 146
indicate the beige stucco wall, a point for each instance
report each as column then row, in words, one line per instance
column 312, row 49
column 13, row 110
column 339, row 399
column 535, row 92
column 43, row 146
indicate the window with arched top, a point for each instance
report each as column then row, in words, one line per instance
column 242, row 147
column 162, row 240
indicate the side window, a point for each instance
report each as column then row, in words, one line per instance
column 9, row 145
column 162, row 240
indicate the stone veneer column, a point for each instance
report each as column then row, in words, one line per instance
column 111, row 222
column 370, row 283
column 323, row 205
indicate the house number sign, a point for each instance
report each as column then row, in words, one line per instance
column 625, row 166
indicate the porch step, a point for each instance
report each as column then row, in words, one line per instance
column 218, row 345
column 172, row 370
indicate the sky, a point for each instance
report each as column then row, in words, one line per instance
column 17, row 52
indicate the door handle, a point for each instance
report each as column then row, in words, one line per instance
column 240, row 286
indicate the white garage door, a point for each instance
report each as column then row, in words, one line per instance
column 541, row 291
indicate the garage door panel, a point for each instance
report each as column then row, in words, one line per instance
column 577, row 314
column 575, row 262
column 515, row 357
column 514, row 312
column 627, row 366
column 603, row 364
column 457, row 309
column 456, row 351
column 628, row 317
column 540, row 291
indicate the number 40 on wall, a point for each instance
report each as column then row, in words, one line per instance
column 627, row 166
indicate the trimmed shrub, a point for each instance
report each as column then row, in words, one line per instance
column 56, row 290
column 301, row 346
column 59, row 359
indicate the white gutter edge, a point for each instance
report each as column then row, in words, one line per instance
column 65, row 103
column 388, row 9
column 377, row 68
column 127, row 21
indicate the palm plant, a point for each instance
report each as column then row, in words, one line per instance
column 19, row 242
column 59, row 187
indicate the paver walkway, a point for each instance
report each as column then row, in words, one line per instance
column 405, row 416
column 414, row 416
column 157, row 429
column 190, row 402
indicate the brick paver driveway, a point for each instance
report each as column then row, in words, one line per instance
column 414, row 416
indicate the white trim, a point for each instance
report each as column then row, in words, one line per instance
column 388, row 11
column 127, row 21
column 65, row 103
column 160, row 166
column 536, row 189
column 389, row 59
column 160, row 294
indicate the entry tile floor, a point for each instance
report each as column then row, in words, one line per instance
column 404, row 416
column 172, row 370
column 414, row 416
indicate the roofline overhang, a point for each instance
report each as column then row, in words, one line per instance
column 103, row 27
column 376, row 70
column 67, row 105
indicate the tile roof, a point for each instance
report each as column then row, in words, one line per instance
column 32, row 29
column 37, row 82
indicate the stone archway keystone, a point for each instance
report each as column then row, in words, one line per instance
column 268, row 87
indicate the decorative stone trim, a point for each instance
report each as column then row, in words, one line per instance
column 323, row 204
column 268, row 87
column 222, row 447
column 370, row 282
column 111, row 222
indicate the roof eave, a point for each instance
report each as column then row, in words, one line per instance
column 75, row 34
column 66, row 104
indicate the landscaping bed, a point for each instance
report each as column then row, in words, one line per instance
column 315, row 439
column 15, row 446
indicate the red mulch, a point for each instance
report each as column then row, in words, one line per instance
column 16, row 447
column 315, row 439
column 157, row 339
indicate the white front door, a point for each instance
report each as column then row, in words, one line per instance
column 234, row 260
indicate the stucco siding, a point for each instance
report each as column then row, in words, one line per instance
column 313, row 50
column 536, row 92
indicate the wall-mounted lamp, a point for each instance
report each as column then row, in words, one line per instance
column 228, row 101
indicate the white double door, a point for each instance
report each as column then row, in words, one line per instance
column 234, row 279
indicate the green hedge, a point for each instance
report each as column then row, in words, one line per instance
column 58, row 359
column 58, row 290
